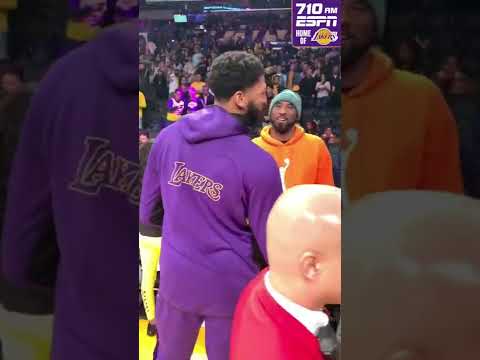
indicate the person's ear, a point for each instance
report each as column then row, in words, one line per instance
column 240, row 100
column 310, row 265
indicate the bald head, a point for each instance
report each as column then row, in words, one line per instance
column 303, row 241
column 412, row 266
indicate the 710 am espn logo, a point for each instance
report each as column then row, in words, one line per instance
column 316, row 15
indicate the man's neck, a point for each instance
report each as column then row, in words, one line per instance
column 354, row 74
column 227, row 107
column 291, row 293
column 282, row 137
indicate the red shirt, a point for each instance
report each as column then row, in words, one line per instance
column 262, row 329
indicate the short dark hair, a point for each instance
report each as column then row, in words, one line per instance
column 234, row 71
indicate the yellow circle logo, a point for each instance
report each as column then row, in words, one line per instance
column 323, row 36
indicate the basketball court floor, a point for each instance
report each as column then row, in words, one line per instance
column 147, row 344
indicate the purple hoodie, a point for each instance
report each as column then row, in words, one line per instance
column 217, row 189
column 77, row 173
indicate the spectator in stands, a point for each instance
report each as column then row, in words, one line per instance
column 406, row 56
column 336, row 92
column 335, row 148
column 197, row 83
column 188, row 69
column 327, row 134
column 195, row 103
column 307, row 86
column 311, row 127
column 274, row 88
column 282, row 72
column 187, row 90
column 142, row 45
column 173, row 83
column 444, row 77
column 160, row 81
column 143, row 138
column 207, row 97
column 294, row 74
column 176, row 107
column 270, row 35
column 323, row 88
column 288, row 144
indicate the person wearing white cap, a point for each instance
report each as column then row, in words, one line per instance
column 399, row 131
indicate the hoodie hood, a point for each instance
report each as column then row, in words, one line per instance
column 297, row 136
column 116, row 56
column 380, row 69
column 212, row 122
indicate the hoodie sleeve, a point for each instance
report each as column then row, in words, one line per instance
column 151, row 207
column 263, row 190
column 150, row 249
column 29, row 227
column 441, row 157
column 325, row 166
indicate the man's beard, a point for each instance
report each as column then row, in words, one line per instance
column 351, row 55
column 283, row 127
column 254, row 115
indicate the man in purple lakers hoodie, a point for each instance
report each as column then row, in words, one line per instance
column 75, row 182
column 217, row 190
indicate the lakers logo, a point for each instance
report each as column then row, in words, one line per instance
column 324, row 36
column 101, row 168
column 200, row 183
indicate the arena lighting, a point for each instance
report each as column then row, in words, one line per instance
column 221, row 9
column 167, row 1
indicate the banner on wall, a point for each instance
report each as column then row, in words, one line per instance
column 88, row 17
column 316, row 23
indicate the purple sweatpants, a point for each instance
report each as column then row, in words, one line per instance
column 177, row 332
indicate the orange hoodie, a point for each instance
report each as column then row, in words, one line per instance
column 308, row 158
column 399, row 134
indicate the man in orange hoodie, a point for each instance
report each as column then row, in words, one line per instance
column 399, row 132
column 302, row 158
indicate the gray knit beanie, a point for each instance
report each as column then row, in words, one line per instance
column 289, row 96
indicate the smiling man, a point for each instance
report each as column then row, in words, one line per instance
column 400, row 133
column 302, row 158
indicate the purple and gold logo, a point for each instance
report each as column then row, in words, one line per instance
column 200, row 183
column 100, row 168
column 316, row 23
